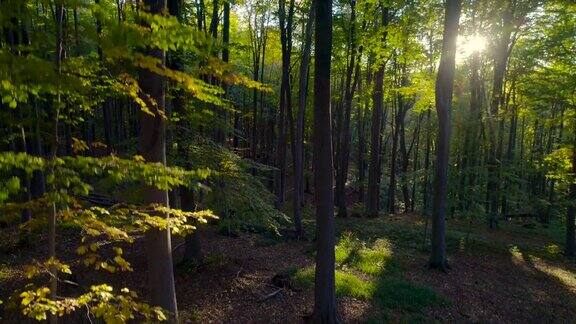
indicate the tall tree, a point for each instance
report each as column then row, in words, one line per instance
column 59, row 17
column 299, row 134
column 444, row 89
column 570, row 248
column 501, row 55
column 373, row 189
column 324, row 283
column 152, row 146
column 285, row 105
column 344, row 150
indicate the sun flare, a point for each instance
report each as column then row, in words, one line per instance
column 468, row 45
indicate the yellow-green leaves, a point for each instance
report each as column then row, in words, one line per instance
column 103, row 229
column 101, row 300
column 45, row 267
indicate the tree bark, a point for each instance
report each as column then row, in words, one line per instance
column 214, row 22
column 500, row 62
column 153, row 149
column 373, row 190
column 344, row 151
column 570, row 249
column 444, row 89
column 299, row 134
column 193, row 244
column 285, row 98
column 360, row 127
column 324, row 283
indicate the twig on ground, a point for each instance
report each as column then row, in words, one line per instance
column 270, row 295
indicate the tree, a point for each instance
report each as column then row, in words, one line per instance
column 373, row 190
column 152, row 146
column 444, row 88
column 349, row 87
column 300, row 119
column 285, row 104
column 570, row 249
column 324, row 283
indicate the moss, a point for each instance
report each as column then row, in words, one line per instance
column 347, row 284
column 398, row 294
column 352, row 253
column 371, row 272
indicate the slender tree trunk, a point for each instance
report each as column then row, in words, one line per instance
column 26, row 214
column 324, row 283
column 255, row 76
column 264, row 114
column 201, row 15
column 373, row 190
column 153, row 149
column 52, row 221
column 193, row 244
column 344, row 151
column 570, row 248
column 416, row 164
column 471, row 142
column 500, row 62
column 285, row 102
column 393, row 162
column 299, row 134
column 425, row 181
column 444, row 89
column 214, row 22
column 360, row 127
column 106, row 119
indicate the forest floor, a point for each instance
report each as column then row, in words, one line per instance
column 515, row 274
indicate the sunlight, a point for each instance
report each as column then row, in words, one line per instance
column 530, row 262
column 468, row 45
column 566, row 277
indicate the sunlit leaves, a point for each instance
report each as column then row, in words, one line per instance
column 102, row 229
column 559, row 165
column 46, row 266
column 101, row 300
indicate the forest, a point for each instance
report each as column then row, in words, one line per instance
column 288, row 161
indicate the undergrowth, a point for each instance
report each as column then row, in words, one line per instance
column 369, row 271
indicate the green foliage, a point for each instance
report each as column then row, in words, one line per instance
column 353, row 253
column 101, row 300
column 371, row 273
column 69, row 180
column 559, row 165
column 239, row 197
column 398, row 294
column 347, row 284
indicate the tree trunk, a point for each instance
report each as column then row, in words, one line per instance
column 344, row 151
column 193, row 243
column 153, row 149
column 214, row 22
column 299, row 134
column 570, row 249
column 373, row 190
column 393, row 162
column 444, row 89
column 500, row 62
column 285, row 102
column 255, row 75
column 324, row 283
column 425, row 181
column 360, row 127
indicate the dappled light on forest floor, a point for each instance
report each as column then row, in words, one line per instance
column 371, row 271
column 529, row 262
column 566, row 277
column 380, row 277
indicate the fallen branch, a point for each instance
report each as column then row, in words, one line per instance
column 270, row 295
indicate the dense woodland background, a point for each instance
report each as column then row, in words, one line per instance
column 286, row 161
